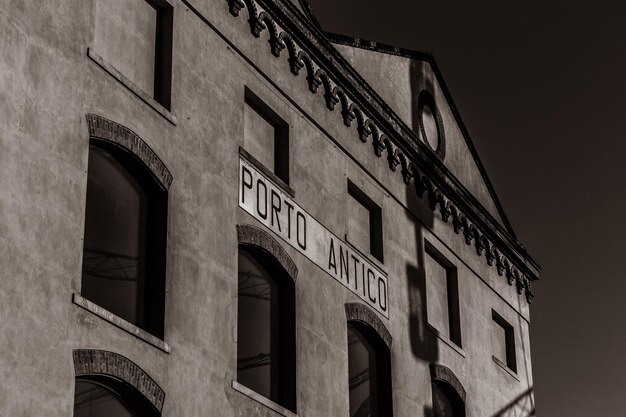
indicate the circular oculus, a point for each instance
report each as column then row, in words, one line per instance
column 431, row 124
column 429, row 128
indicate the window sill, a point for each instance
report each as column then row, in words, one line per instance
column 368, row 256
column 120, row 322
column 267, row 172
column 262, row 400
column 506, row 368
column 445, row 339
column 145, row 97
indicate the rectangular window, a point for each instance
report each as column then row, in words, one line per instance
column 135, row 37
column 365, row 225
column 442, row 294
column 266, row 136
column 503, row 341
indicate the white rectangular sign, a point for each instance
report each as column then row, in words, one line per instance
column 267, row 203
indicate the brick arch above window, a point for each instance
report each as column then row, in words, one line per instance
column 93, row 362
column 248, row 235
column 358, row 312
column 443, row 374
column 110, row 131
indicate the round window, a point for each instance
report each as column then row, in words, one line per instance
column 431, row 124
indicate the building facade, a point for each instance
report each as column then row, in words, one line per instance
column 214, row 207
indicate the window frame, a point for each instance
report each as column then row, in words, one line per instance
column 281, row 148
column 452, row 290
column 267, row 251
column 161, row 95
column 162, row 92
column 151, row 293
column 121, row 376
column 450, row 386
column 451, row 396
column 376, row 248
column 509, row 342
column 368, row 325
column 130, row 396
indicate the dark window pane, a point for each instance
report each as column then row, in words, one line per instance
column 363, row 380
column 442, row 405
column 257, row 326
column 94, row 400
column 114, row 247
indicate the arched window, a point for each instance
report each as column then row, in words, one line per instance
column 265, row 318
column 448, row 393
column 98, row 399
column 369, row 364
column 125, row 235
column 108, row 384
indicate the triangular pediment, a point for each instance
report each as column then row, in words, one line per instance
column 405, row 80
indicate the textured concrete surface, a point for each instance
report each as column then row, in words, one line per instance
column 48, row 85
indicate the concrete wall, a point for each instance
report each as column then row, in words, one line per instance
column 49, row 83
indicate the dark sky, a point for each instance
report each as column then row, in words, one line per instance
column 541, row 87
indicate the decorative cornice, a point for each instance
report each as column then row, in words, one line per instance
column 309, row 49
column 248, row 235
column 110, row 131
column 361, row 313
column 441, row 373
column 102, row 362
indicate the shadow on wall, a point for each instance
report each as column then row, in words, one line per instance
column 522, row 406
column 420, row 79
column 424, row 344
